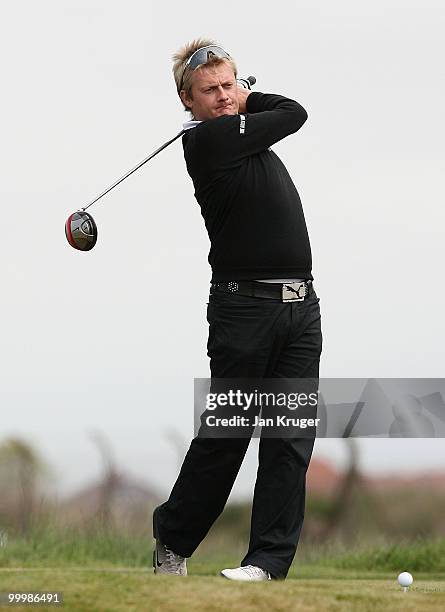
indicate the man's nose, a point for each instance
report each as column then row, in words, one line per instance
column 221, row 92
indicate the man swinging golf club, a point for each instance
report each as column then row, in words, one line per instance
column 263, row 312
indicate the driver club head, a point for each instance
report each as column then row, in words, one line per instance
column 81, row 231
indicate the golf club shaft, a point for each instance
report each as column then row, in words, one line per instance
column 144, row 161
column 247, row 83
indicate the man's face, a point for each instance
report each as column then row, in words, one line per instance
column 214, row 91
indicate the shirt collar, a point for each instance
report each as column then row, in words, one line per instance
column 188, row 125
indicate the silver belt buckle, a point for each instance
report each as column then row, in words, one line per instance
column 293, row 292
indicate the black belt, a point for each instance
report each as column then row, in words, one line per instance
column 286, row 292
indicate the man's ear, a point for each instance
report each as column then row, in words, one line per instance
column 185, row 99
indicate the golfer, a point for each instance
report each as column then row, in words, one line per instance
column 263, row 312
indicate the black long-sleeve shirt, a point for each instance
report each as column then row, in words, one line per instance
column 251, row 208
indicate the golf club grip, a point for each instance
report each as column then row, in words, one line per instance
column 144, row 161
column 247, row 83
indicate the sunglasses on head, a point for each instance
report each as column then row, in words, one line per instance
column 202, row 56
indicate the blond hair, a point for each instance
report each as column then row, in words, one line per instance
column 180, row 58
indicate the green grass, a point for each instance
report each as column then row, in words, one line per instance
column 139, row 590
column 421, row 556
column 49, row 546
column 108, row 572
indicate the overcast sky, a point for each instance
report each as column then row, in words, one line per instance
column 111, row 340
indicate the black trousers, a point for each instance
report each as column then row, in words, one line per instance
column 249, row 338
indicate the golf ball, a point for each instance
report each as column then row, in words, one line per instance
column 405, row 579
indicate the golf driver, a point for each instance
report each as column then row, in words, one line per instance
column 80, row 227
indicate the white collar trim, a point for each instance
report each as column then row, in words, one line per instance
column 188, row 125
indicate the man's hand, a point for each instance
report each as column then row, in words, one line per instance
column 243, row 93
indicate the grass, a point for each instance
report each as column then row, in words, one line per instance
column 421, row 556
column 139, row 590
column 49, row 546
column 109, row 572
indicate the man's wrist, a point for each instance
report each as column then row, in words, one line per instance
column 243, row 94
